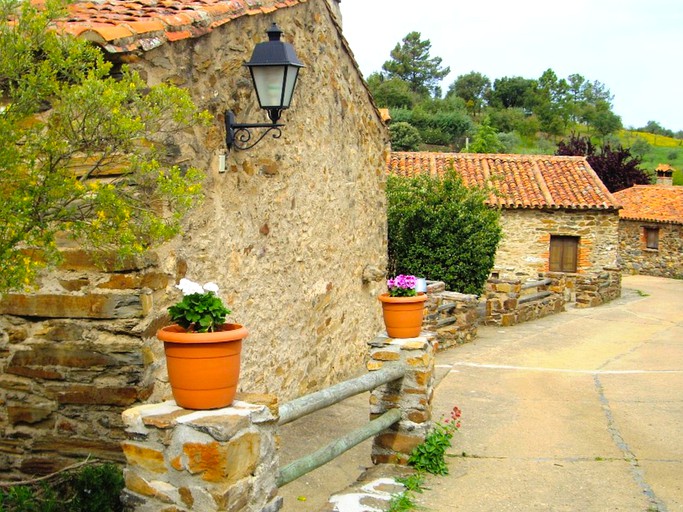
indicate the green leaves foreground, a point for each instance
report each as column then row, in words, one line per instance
column 82, row 154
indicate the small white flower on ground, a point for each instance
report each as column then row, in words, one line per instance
column 211, row 287
column 189, row 287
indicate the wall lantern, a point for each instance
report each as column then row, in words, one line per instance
column 274, row 69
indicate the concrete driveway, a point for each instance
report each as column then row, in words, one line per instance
column 581, row 411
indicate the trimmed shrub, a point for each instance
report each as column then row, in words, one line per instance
column 440, row 229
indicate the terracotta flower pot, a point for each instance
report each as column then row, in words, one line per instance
column 403, row 315
column 203, row 367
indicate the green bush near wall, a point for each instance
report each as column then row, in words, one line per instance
column 94, row 488
column 442, row 230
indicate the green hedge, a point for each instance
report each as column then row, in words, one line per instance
column 442, row 230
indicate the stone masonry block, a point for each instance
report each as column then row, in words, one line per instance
column 224, row 463
column 398, row 442
column 374, row 365
column 385, row 355
column 144, row 456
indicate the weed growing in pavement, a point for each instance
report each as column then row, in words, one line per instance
column 406, row 500
column 430, row 455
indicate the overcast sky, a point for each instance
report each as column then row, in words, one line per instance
column 634, row 47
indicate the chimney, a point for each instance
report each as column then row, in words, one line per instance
column 664, row 174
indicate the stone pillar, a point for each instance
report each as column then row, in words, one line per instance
column 412, row 395
column 217, row 460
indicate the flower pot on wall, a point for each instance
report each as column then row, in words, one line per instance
column 203, row 367
column 403, row 315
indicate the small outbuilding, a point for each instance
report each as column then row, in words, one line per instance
column 557, row 215
column 651, row 230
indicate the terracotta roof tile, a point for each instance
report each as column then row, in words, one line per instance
column 515, row 181
column 655, row 203
column 123, row 25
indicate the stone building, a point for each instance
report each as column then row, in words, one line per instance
column 556, row 214
column 651, row 230
column 293, row 231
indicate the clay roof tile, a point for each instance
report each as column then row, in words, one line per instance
column 123, row 25
column 654, row 203
column 516, row 181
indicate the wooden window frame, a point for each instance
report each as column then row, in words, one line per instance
column 564, row 254
column 651, row 238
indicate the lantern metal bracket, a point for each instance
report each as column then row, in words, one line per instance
column 239, row 136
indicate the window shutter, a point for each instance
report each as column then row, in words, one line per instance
column 564, row 252
column 555, row 254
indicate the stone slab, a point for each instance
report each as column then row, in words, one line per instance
column 104, row 305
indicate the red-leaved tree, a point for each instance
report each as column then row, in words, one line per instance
column 615, row 165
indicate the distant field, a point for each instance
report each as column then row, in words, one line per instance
column 630, row 137
column 663, row 150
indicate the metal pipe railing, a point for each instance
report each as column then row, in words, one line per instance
column 307, row 404
column 320, row 457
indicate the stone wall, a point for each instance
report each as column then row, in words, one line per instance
column 524, row 251
column 595, row 289
column 452, row 316
column 512, row 302
column 636, row 258
column 71, row 359
column 294, row 233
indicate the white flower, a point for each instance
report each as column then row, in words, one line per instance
column 189, row 287
column 211, row 287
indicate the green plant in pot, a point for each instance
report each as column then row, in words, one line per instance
column 202, row 350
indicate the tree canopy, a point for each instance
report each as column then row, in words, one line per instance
column 80, row 151
column 473, row 88
column 411, row 62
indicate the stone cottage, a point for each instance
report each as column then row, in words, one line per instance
column 557, row 216
column 651, row 230
column 293, row 231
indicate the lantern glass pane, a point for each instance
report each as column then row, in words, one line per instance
column 268, row 81
column 290, row 83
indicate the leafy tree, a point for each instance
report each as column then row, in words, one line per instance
column 441, row 229
column 640, row 147
column 512, row 92
column 404, row 137
column 391, row 93
column 657, row 129
column 577, row 88
column 486, row 140
column 551, row 103
column 410, row 61
column 77, row 155
column 509, row 141
column 615, row 165
column 474, row 88
column 601, row 118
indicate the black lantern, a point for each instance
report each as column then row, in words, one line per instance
column 274, row 69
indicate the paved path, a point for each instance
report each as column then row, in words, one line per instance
column 581, row 411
